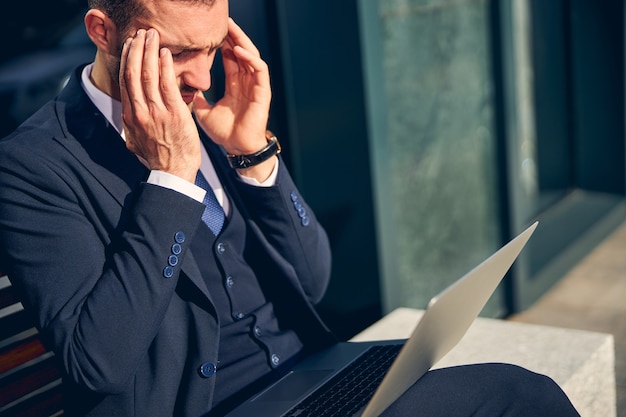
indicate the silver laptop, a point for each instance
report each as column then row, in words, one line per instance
column 364, row 378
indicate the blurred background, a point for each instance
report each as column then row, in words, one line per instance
column 424, row 133
column 44, row 41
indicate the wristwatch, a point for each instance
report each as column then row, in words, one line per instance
column 249, row 160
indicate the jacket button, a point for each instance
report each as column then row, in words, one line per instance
column 257, row 331
column 176, row 249
column 207, row 370
column 168, row 272
column 179, row 237
column 221, row 248
column 172, row 260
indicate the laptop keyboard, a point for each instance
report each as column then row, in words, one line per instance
column 350, row 390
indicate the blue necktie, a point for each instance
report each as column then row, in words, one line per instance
column 213, row 214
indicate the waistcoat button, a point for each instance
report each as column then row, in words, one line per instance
column 230, row 282
column 275, row 359
column 207, row 370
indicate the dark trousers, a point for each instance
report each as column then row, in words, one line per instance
column 487, row 390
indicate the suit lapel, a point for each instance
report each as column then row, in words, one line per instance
column 95, row 143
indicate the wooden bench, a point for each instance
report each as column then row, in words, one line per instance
column 30, row 377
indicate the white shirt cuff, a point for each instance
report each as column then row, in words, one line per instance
column 167, row 180
column 269, row 182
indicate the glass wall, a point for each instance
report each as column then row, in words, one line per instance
column 431, row 103
column 486, row 116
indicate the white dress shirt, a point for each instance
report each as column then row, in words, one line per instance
column 112, row 111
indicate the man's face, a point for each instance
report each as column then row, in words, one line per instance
column 193, row 32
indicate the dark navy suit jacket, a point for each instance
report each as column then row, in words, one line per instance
column 86, row 240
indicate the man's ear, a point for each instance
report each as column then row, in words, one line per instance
column 102, row 31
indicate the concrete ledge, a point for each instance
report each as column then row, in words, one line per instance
column 581, row 362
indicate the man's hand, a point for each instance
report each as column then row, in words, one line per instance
column 238, row 120
column 158, row 124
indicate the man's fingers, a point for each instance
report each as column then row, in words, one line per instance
column 238, row 37
column 147, row 76
column 253, row 62
column 167, row 83
column 237, row 58
column 134, row 63
column 240, row 53
column 151, row 68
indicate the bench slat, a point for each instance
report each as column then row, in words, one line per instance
column 30, row 376
column 37, row 375
column 20, row 353
column 45, row 402
column 8, row 297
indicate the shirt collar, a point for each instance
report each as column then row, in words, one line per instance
column 108, row 106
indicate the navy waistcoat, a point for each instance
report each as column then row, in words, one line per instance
column 252, row 341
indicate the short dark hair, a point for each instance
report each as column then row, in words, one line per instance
column 121, row 12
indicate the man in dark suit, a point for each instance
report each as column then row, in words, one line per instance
column 167, row 255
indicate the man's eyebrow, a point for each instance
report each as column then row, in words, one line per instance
column 194, row 48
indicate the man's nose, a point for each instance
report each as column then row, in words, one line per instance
column 197, row 73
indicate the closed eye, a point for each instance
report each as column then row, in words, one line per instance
column 182, row 53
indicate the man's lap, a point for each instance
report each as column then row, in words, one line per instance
column 482, row 390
